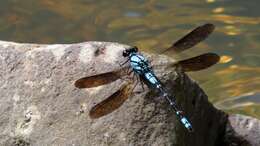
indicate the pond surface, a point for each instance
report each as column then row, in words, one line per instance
column 233, row 84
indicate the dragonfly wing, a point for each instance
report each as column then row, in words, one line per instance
column 111, row 103
column 199, row 62
column 191, row 39
column 100, row 79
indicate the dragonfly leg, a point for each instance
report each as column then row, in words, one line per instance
column 126, row 74
column 124, row 62
column 142, row 83
column 129, row 72
column 135, row 80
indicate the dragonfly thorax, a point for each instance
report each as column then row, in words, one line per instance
column 138, row 63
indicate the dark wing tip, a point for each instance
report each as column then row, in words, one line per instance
column 199, row 62
column 111, row 103
column 191, row 39
column 209, row 60
column 99, row 79
column 94, row 115
column 214, row 57
column 210, row 27
column 78, row 83
column 81, row 83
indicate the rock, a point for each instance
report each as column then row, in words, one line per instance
column 40, row 105
column 242, row 131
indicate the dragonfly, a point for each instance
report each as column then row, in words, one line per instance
column 143, row 72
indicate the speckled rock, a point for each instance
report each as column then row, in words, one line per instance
column 39, row 104
column 242, row 131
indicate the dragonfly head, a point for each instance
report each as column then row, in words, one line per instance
column 127, row 52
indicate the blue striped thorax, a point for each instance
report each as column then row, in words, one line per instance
column 138, row 63
column 140, row 66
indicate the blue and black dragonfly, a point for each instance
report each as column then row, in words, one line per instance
column 140, row 67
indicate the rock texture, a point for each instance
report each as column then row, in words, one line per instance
column 39, row 104
column 242, row 131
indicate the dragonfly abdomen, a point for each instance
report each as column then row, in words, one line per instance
column 152, row 79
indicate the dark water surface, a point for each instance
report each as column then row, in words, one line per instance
column 233, row 84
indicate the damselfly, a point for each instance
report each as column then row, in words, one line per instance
column 140, row 66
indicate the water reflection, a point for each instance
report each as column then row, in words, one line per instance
column 247, row 104
column 152, row 25
column 245, row 100
column 225, row 59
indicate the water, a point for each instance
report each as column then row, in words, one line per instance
column 152, row 25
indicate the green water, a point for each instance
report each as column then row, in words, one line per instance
column 152, row 25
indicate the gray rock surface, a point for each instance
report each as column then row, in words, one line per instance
column 39, row 104
column 242, row 131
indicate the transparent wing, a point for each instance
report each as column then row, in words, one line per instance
column 199, row 62
column 100, row 79
column 191, row 39
column 111, row 103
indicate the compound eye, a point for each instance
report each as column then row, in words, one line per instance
column 136, row 49
column 125, row 53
